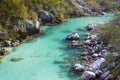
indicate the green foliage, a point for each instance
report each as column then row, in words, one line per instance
column 33, row 15
column 110, row 33
column 109, row 4
column 13, row 11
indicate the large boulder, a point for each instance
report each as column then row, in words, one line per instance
column 8, row 43
column 96, row 65
column 72, row 36
column 45, row 16
column 103, row 13
column 90, row 27
column 32, row 26
column 88, row 75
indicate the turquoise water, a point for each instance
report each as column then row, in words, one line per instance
column 39, row 55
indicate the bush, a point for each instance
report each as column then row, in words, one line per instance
column 110, row 33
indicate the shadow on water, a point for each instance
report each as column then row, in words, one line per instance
column 65, row 64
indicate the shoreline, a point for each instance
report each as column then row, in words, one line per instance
column 95, row 56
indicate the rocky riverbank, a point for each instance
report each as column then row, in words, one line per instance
column 28, row 22
column 26, row 30
column 95, row 57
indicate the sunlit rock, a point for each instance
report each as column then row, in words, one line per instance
column 72, row 36
column 96, row 65
column 90, row 27
column 88, row 75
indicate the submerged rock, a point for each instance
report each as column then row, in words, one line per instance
column 84, row 54
column 75, row 43
column 16, row 59
column 72, row 36
column 88, row 75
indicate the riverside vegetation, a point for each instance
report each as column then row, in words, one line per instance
column 12, row 12
column 100, row 59
column 110, row 33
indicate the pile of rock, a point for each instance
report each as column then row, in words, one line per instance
column 11, row 43
column 97, row 70
column 74, row 40
column 95, row 67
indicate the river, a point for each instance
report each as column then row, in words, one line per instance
column 41, row 55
